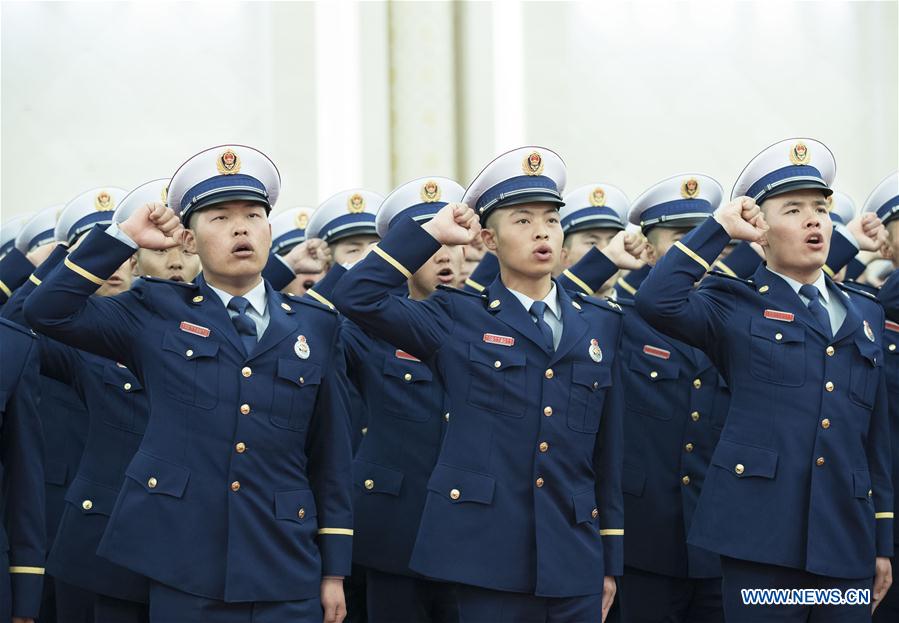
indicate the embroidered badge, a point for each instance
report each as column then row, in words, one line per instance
column 799, row 154
column 690, row 188
column 355, row 203
column 502, row 340
column 301, row 348
column 430, row 192
column 401, row 354
column 195, row 329
column 302, row 219
column 654, row 351
column 779, row 315
column 595, row 351
column 533, row 164
column 891, row 326
column 104, row 202
column 228, row 163
column 598, row 197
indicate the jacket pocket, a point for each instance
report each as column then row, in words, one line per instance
column 589, row 382
column 297, row 505
column 460, row 486
column 497, row 380
column 744, row 461
column 91, row 498
column 295, row 391
column 774, row 350
column 374, row 478
column 157, row 476
column 191, row 369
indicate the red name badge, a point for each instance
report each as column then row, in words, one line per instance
column 892, row 326
column 196, row 329
column 401, row 354
column 502, row 340
column 779, row 315
column 653, row 351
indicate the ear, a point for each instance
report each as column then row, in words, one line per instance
column 651, row 255
column 189, row 241
column 488, row 236
column 133, row 264
column 563, row 257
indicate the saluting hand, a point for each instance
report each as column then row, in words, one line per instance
column 868, row 231
column 625, row 250
column 154, row 226
column 310, row 256
column 742, row 219
column 454, row 224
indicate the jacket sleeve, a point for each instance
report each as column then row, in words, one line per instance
column 22, row 448
column 880, row 467
column 62, row 306
column 14, row 271
column 667, row 299
column 277, row 272
column 889, row 296
column 323, row 290
column 843, row 249
column 741, row 262
column 483, row 274
column 608, row 462
column 589, row 273
column 418, row 327
column 14, row 308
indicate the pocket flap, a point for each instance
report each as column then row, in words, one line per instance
column 399, row 368
column 374, row 478
column 121, row 378
column 632, row 481
column 299, row 373
column 861, row 483
column 777, row 331
column 55, row 472
column 297, row 505
column 157, row 476
column 591, row 375
column 497, row 358
column 460, row 485
column 653, row 368
column 745, row 461
column 584, row 504
column 90, row 497
column 187, row 346
column 870, row 351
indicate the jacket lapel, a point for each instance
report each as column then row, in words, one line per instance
column 505, row 307
column 777, row 295
column 853, row 320
column 281, row 324
column 215, row 314
column 573, row 326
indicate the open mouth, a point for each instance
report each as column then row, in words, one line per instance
column 243, row 250
column 176, row 277
column 815, row 241
column 446, row 275
column 543, row 253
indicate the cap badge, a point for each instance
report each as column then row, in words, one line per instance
column 104, row 202
column 430, row 192
column 164, row 195
column 690, row 188
column 228, row 163
column 533, row 164
column 302, row 219
column 356, row 203
column 799, row 154
column 598, row 197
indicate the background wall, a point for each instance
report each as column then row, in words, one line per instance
column 342, row 93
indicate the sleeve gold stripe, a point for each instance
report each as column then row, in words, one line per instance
column 883, row 515
column 827, row 269
column 5, row 289
column 725, row 268
column 29, row 570
column 612, row 532
column 691, row 254
column 318, row 297
column 474, row 284
column 342, row 531
column 77, row 269
column 624, row 285
column 34, row 280
column 389, row 259
column 580, row 282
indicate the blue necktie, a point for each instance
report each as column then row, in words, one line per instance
column 245, row 326
column 538, row 308
column 817, row 307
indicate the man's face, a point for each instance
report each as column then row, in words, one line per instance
column 892, row 246
column 118, row 282
column 472, row 256
column 443, row 268
column 303, row 282
column 526, row 238
column 577, row 244
column 41, row 253
column 799, row 231
column 231, row 239
column 175, row 264
column 661, row 239
column 351, row 249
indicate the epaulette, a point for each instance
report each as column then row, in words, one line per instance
column 724, row 275
column 603, row 303
column 626, row 302
column 454, row 290
column 309, row 301
column 18, row 327
column 183, row 284
column 861, row 287
column 857, row 290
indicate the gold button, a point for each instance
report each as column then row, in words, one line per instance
column 739, row 468
column 369, row 484
column 825, row 423
column 245, row 409
column 697, row 383
column 547, row 411
column 549, row 373
column 302, row 380
column 820, row 461
column 152, row 482
column 235, row 486
column 828, row 386
column 189, row 353
column 241, row 447
column 301, row 513
column 455, row 494
column 544, row 446
column 763, row 289
column 494, row 304
column 198, row 299
column 891, row 347
column 497, row 363
column 685, row 480
column 285, row 306
column 446, row 416
column 575, row 304
column 689, row 447
column 247, row 373
column 539, row 482
column 87, row 505
column 653, row 374
column 778, row 336
column 594, row 513
column 408, row 377
column 127, row 386
column 695, row 416
column 870, row 493
column 830, row 351
column 365, row 430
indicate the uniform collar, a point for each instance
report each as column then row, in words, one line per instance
column 820, row 283
column 551, row 300
column 256, row 297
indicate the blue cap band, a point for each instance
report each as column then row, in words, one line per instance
column 517, row 188
column 889, row 210
column 7, row 247
column 86, row 222
column 222, row 187
column 43, row 237
column 592, row 216
column 288, row 239
column 348, row 225
column 420, row 213
column 781, row 177
column 674, row 210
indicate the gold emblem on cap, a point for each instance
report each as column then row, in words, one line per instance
column 799, row 154
column 103, row 202
column 164, row 195
column 356, row 203
column 533, row 164
column 228, row 163
column 690, row 188
column 598, row 197
column 302, row 219
column 430, row 192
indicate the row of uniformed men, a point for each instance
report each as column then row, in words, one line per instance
column 471, row 497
